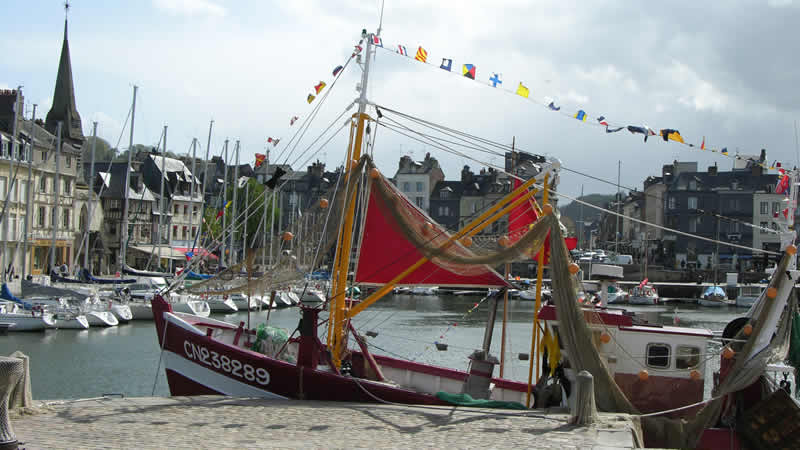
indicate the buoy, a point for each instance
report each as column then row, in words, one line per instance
column 547, row 209
column 287, row 236
column 643, row 375
column 694, row 374
column 427, row 228
column 516, row 278
column 323, row 203
column 374, row 173
column 503, row 241
column 466, row 241
column 728, row 353
column 747, row 329
column 605, row 338
column 792, row 249
column 772, row 292
column 574, row 268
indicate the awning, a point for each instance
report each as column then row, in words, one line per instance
column 163, row 251
column 198, row 251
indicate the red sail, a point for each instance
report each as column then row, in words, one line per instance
column 386, row 252
column 520, row 219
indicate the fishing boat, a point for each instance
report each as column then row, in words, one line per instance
column 221, row 304
column 244, row 302
column 638, row 367
column 714, row 297
column 643, row 294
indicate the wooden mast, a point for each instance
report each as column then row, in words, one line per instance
column 535, row 342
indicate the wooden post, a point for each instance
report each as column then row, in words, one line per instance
column 585, row 411
column 535, row 333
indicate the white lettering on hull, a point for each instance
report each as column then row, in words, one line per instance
column 234, row 367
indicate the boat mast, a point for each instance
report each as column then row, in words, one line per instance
column 264, row 220
column 56, row 208
column 246, row 209
column 29, row 190
column 619, row 200
column 224, row 204
column 193, row 190
column 205, row 178
column 86, row 259
column 161, row 198
column 508, row 270
column 233, row 217
column 126, row 188
column 343, row 250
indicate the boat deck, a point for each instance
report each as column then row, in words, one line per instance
column 224, row 422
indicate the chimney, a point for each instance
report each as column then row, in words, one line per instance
column 712, row 170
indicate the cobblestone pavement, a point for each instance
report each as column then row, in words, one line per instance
column 223, row 422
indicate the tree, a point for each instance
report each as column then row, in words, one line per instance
column 103, row 150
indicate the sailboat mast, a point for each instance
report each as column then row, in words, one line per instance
column 343, row 250
column 205, row 178
column 507, row 273
column 264, row 219
column 86, row 259
column 233, row 257
column 619, row 200
column 126, row 188
column 193, row 190
column 246, row 208
column 224, row 204
column 272, row 227
column 56, row 208
column 29, row 190
column 161, row 198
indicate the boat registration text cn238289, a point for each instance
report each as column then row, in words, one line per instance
column 222, row 362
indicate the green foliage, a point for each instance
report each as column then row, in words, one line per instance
column 255, row 213
column 103, row 150
column 573, row 209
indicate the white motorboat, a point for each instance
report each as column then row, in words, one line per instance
column 221, row 304
column 616, row 295
column 530, row 294
column 643, row 294
column 122, row 312
column 423, row 290
column 311, row 295
column 66, row 320
column 190, row 304
column 36, row 320
column 243, row 303
column 748, row 295
column 141, row 310
column 101, row 318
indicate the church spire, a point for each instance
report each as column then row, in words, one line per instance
column 64, row 108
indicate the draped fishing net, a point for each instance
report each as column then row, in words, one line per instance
column 314, row 235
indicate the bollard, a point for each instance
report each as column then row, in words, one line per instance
column 585, row 412
column 21, row 396
column 11, row 370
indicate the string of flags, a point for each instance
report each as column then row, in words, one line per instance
column 273, row 141
column 494, row 80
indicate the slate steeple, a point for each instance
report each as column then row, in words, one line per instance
column 64, row 108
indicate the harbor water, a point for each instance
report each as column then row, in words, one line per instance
column 125, row 359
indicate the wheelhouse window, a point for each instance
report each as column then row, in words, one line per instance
column 658, row 355
column 687, row 357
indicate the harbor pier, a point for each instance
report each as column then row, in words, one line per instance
column 225, row 422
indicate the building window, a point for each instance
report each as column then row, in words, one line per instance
column 43, row 184
column 658, row 355
column 3, row 186
column 69, row 161
column 671, row 202
column 406, row 187
column 693, row 222
column 44, row 155
column 194, row 210
column 692, row 203
column 175, row 210
column 194, row 232
column 692, row 185
column 67, row 187
column 185, row 210
column 444, row 195
column 776, row 206
column 66, row 219
column 174, row 232
column 41, row 218
column 23, row 192
column 764, row 226
column 419, row 186
column 53, row 218
column 764, row 208
column 419, row 201
column 13, row 228
column 774, row 226
column 687, row 357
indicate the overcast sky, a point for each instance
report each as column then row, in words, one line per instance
column 727, row 72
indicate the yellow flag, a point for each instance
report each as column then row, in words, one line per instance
column 311, row 98
column 522, row 91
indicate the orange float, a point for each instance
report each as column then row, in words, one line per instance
column 772, row 292
column 547, row 209
column 287, row 236
column 747, row 329
column 374, row 173
column 694, row 374
column 504, row 241
column 605, row 338
column 466, row 241
column 728, row 353
column 574, row 268
column 643, row 375
column 792, row 249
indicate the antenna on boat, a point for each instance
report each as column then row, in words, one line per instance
column 380, row 21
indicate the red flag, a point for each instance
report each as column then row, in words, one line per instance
column 294, row 119
column 269, row 140
column 260, row 158
column 703, row 144
column 783, row 185
column 220, row 213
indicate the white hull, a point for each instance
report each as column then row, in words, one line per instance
column 242, row 303
column 423, row 290
column 141, row 310
column 101, row 319
column 714, row 303
column 73, row 323
column 28, row 322
column 194, row 307
column 123, row 313
column 219, row 305
column 643, row 300
column 616, row 299
column 745, row 301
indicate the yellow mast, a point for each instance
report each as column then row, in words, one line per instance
column 535, row 334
